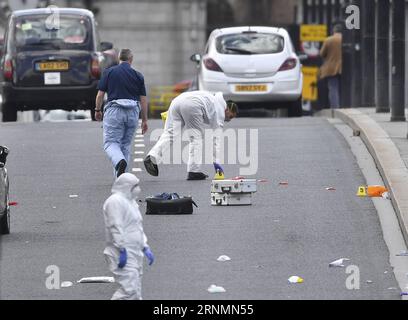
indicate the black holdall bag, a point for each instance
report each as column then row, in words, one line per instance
column 169, row 204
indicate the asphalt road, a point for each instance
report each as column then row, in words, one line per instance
column 289, row 230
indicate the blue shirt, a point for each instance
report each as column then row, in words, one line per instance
column 122, row 82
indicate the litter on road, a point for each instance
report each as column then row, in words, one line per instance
column 338, row 262
column 73, row 196
column 402, row 254
column 283, row 183
column 223, row 258
column 330, row 189
column 262, row 180
column 369, row 281
column 371, row 191
column 97, row 280
column 66, row 284
column 215, row 289
column 295, row 279
column 13, row 203
column 386, row 196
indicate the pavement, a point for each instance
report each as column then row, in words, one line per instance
column 294, row 229
column 387, row 141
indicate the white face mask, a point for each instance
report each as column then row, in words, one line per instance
column 135, row 191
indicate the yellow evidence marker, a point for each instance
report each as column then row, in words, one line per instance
column 219, row 175
column 371, row 191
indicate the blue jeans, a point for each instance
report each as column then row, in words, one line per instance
column 333, row 84
column 119, row 126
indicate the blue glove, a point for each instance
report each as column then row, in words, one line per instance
column 218, row 168
column 122, row 258
column 149, row 255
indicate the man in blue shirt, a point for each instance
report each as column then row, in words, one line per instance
column 126, row 99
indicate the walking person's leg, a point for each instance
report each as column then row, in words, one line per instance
column 113, row 130
column 130, row 125
column 333, row 84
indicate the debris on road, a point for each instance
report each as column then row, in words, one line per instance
column 386, row 195
column 13, row 203
column 223, row 258
column 295, row 279
column 330, row 189
column 73, row 196
column 371, row 191
column 215, row 289
column 369, row 281
column 404, row 294
column 262, row 180
column 338, row 262
column 97, row 280
column 66, row 284
column 283, row 183
column 402, row 254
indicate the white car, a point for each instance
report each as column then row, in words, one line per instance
column 253, row 66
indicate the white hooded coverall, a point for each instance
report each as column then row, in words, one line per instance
column 124, row 229
column 191, row 110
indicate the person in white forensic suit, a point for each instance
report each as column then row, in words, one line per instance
column 125, row 238
column 192, row 111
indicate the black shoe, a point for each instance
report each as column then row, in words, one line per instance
column 120, row 167
column 196, row 176
column 151, row 168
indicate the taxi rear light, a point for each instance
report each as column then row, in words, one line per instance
column 8, row 69
column 210, row 64
column 95, row 68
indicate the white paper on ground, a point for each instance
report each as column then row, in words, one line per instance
column 66, row 284
column 223, row 258
column 97, row 280
column 295, row 279
column 215, row 289
column 338, row 262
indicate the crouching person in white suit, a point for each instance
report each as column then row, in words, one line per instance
column 126, row 240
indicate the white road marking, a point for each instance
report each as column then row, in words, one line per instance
column 138, row 160
column 139, row 145
column 136, row 170
column 139, row 136
column 139, row 140
column 139, row 152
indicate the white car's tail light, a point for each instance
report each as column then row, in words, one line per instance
column 288, row 64
column 210, row 64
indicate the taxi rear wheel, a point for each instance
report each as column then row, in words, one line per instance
column 9, row 112
column 5, row 220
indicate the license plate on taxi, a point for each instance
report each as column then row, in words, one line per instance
column 52, row 66
column 251, row 87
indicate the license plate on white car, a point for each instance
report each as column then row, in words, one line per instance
column 251, row 88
